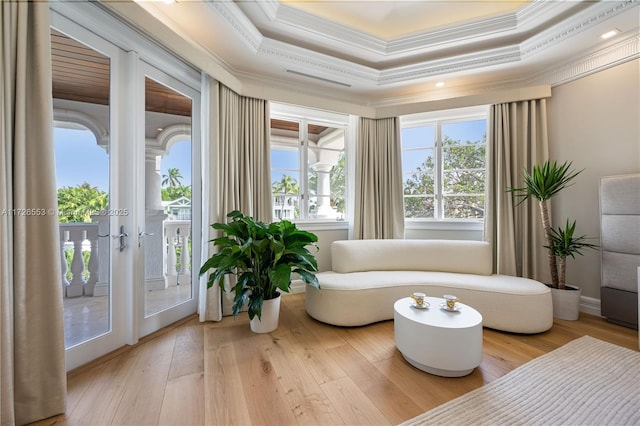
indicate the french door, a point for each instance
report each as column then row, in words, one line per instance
column 127, row 154
column 167, row 211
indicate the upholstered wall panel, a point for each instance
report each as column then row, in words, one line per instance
column 620, row 247
column 620, row 194
column 621, row 233
column 619, row 270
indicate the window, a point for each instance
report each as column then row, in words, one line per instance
column 307, row 169
column 443, row 167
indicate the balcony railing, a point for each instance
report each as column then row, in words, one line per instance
column 84, row 257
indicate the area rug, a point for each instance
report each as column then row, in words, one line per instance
column 585, row 382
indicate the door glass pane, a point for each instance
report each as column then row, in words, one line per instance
column 81, row 80
column 326, row 166
column 285, row 169
column 167, row 234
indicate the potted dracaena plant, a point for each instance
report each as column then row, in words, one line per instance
column 263, row 258
column 542, row 183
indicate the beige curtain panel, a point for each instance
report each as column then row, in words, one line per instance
column 518, row 139
column 241, row 154
column 32, row 364
column 379, row 205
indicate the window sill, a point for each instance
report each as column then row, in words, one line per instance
column 322, row 225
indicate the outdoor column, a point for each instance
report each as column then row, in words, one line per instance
column 323, row 192
column 153, row 183
column 154, row 250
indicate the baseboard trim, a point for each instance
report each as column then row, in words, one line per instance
column 590, row 305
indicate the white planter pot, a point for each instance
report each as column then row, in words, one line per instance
column 270, row 315
column 566, row 303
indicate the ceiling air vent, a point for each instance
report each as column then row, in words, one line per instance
column 318, row 78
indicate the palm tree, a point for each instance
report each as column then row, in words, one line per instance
column 283, row 188
column 286, row 185
column 172, row 178
column 542, row 183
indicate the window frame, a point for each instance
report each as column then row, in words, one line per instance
column 305, row 117
column 438, row 119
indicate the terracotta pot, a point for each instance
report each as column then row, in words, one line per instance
column 269, row 318
column 566, row 303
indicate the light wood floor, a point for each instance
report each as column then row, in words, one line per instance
column 303, row 373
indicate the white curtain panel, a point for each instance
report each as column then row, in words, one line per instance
column 241, row 163
column 379, row 205
column 32, row 363
column 518, row 139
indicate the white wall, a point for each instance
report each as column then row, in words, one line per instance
column 594, row 122
column 443, row 234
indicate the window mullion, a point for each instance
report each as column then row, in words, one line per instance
column 439, row 208
column 304, row 169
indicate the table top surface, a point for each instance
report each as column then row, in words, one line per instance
column 434, row 315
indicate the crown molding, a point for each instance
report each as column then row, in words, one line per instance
column 573, row 69
column 270, row 8
column 588, row 18
column 324, row 66
column 450, row 65
column 623, row 51
column 301, row 25
column 232, row 14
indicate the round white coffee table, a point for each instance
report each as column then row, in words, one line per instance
column 439, row 342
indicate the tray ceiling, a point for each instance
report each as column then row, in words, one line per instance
column 386, row 52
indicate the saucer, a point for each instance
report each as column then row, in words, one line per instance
column 415, row 305
column 443, row 306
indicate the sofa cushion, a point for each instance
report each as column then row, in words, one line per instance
column 514, row 304
column 470, row 257
column 379, row 279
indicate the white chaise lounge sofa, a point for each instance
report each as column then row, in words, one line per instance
column 368, row 276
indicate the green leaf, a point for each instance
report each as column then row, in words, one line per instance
column 262, row 257
column 308, row 278
column 564, row 244
column 545, row 180
column 280, row 276
column 255, row 306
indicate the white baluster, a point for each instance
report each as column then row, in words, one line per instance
column 63, row 261
column 172, row 274
column 184, row 255
column 93, row 265
column 75, row 288
column 184, row 275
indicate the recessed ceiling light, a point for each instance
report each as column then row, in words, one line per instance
column 610, row 34
column 160, row 129
column 440, row 84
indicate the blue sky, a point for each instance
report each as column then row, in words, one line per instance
column 79, row 159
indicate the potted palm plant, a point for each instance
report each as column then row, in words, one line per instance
column 263, row 258
column 564, row 244
column 542, row 183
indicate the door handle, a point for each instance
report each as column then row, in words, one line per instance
column 141, row 235
column 122, row 237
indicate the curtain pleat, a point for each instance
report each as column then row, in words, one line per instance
column 32, row 374
column 517, row 141
column 379, row 208
column 241, row 161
